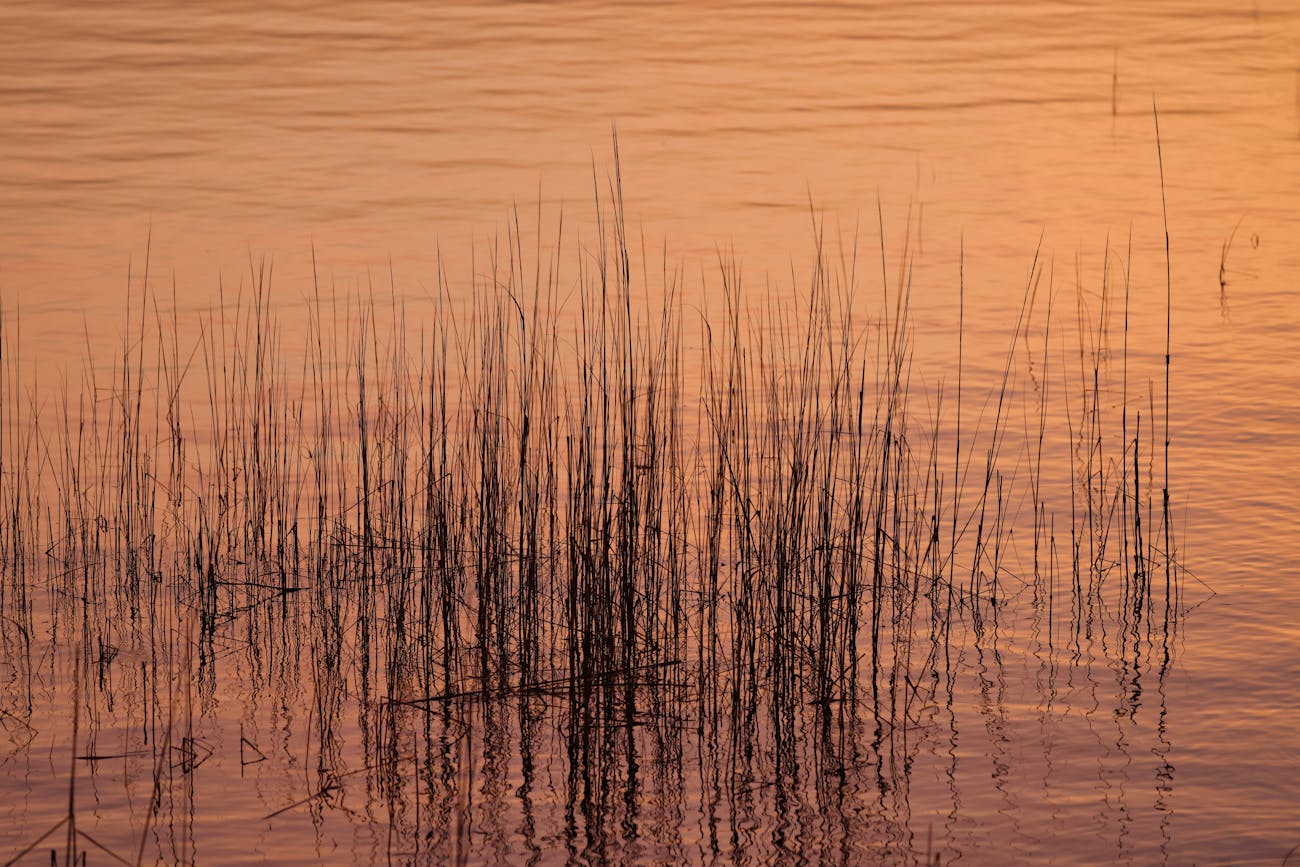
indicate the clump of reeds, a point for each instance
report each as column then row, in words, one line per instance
column 540, row 494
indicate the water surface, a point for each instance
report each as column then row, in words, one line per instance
column 389, row 140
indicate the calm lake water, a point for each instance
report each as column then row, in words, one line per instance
column 361, row 150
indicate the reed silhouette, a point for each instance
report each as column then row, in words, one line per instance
column 577, row 568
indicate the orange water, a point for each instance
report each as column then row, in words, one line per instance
column 200, row 137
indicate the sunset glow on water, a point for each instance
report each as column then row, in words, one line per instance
column 508, row 432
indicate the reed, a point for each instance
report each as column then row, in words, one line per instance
column 538, row 506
